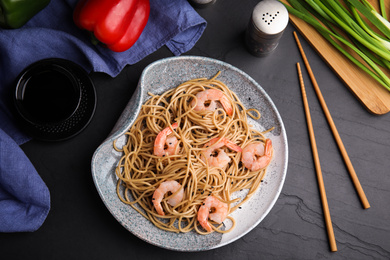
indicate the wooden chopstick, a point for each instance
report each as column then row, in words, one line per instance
column 321, row 186
column 332, row 125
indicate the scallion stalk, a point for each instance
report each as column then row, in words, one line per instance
column 365, row 27
column 373, row 16
column 383, row 9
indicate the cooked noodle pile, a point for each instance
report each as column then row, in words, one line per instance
column 141, row 172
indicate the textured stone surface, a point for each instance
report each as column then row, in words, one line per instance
column 80, row 227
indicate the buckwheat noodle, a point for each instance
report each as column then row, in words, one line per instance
column 140, row 172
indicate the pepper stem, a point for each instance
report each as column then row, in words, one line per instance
column 94, row 40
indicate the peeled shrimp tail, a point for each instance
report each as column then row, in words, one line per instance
column 257, row 156
column 167, row 186
column 212, row 95
column 222, row 159
column 219, row 215
column 163, row 140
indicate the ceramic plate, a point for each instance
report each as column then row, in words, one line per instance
column 157, row 78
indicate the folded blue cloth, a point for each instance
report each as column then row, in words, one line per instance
column 24, row 199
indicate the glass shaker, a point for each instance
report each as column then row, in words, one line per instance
column 266, row 26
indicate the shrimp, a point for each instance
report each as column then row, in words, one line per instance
column 211, row 95
column 218, row 215
column 212, row 147
column 257, row 156
column 167, row 186
column 165, row 144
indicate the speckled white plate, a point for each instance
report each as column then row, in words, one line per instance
column 157, row 78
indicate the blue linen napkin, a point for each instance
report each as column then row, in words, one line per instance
column 24, row 199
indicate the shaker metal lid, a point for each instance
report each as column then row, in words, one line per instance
column 270, row 16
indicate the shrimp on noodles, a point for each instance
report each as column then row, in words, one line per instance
column 219, row 208
column 206, row 100
column 215, row 156
column 167, row 186
column 164, row 143
column 257, row 156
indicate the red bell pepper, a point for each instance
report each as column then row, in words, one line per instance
column 116, row 23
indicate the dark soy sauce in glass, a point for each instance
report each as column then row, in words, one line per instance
column 50, row 96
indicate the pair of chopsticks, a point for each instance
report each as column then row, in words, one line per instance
column 355, row 180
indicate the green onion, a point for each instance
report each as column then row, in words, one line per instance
column 373, row 34
column 342, row 23
column 383, row 9
column 372, row 15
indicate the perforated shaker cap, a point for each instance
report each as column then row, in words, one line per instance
column 270, row 17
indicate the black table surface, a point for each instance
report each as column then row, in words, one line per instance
column 79, row 226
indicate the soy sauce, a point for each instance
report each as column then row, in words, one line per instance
column 50, row 96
